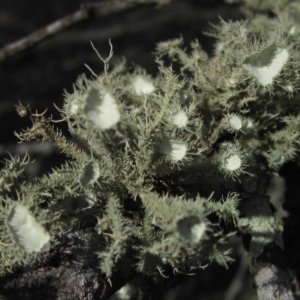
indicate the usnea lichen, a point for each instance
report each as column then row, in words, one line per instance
column 153, row 149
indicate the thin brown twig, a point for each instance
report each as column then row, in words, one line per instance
column 43, row 33
column 85, row 12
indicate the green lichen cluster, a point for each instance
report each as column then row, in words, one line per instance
column 163, row 169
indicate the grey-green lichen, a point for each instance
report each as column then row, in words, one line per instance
column 162, row 165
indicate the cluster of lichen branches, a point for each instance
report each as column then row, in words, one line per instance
column 153, row 151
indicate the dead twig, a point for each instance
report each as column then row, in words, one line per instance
column 42, row 34
column 86, row 11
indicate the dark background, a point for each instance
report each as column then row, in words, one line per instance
column 38, row 76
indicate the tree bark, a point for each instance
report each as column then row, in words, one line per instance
column 69, row 271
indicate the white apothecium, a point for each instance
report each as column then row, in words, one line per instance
column 101, row 109
column 175, row 150
column 266, row 64
column 191, row 229
column 233, row 162
column 142, row 86
column 235, row 122
column 74, row 107
column 180, row 119
column 29, row 234
column 91, row 173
